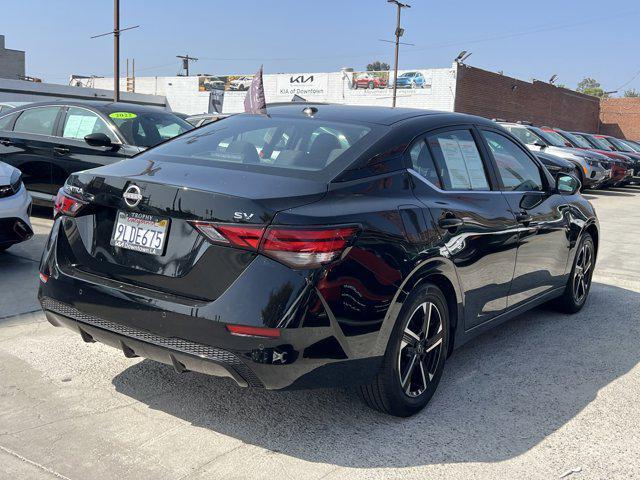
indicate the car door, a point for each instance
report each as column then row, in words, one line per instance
column 542, row 215
column 30, row 145
column 72, row 153
column 473, row 217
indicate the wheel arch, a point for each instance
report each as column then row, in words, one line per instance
column 440, row 272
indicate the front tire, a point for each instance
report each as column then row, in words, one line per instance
column 579, row 284
column 415, row 356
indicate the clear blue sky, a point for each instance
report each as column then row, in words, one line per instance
column 570, row 38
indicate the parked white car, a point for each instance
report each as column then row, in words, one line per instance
column 241, row 83
column 15, row 205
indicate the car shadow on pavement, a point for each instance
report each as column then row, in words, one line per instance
column 501, row 394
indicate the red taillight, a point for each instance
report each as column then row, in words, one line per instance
column 295, row 246
column 244, row 236
column 307, row 247
column 246, row 331
column 65, row 204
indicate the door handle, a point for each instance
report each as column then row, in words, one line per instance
column 449, row 223
column 523, row 217
column 5, row 142
column 61, row 150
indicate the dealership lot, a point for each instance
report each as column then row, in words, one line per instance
column 558, row 392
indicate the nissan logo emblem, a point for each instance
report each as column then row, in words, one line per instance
column 132, row 195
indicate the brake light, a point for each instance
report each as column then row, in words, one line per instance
column 246, row 331
column 297, row 247
column 308, row 247
column 65, row 204
column 243, row 236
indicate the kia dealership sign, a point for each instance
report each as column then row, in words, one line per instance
column 302, row 84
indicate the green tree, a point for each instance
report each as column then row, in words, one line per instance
column 590, row 86
column 378, row 66
column 632, row 93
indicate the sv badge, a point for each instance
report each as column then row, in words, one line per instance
column 242, row 216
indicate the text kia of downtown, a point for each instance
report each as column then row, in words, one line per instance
column 320, row 245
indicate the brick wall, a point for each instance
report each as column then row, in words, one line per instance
column 620, row 117
column 492, row 95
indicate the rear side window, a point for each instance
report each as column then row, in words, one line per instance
column 40, row 120
column 422, row 162
column 80, row 122
column 272, row 144
column 517, row 171
column 458, row 161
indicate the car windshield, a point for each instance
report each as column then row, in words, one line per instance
column 525, row 135
column 149, row 128
column 620, row 145
column 577, row 140
column 633, row 146
column 552, row 138
column 282, row 146
column 601, row 142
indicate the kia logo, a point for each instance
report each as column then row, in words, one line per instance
column 132, row 195
column 301, row 79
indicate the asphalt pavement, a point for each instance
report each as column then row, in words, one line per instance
column 543, row 396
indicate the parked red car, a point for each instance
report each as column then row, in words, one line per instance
column 619, row 163
column 369, row 80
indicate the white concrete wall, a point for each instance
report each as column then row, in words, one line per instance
column 21, row 91
column 183, row 96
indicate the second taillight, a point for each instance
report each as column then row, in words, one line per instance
column 306, row 247
column 297, row 247
column 65, row 204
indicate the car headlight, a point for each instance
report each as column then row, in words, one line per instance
column 15, row 184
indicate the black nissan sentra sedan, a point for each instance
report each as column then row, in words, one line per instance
column 317, row 246
column 48, row 141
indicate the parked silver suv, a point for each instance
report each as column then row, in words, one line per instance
column 593, row 167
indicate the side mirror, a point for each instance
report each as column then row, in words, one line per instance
column 540, row 145
column 567, row 184
column 98, row 140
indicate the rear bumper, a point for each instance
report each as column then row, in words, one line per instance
column 181, row 354
column 191, row 335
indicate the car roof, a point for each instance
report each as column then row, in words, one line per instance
column 106, row 107
column 369, row 114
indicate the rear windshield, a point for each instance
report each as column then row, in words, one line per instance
column 150, row 128
column 303, row 147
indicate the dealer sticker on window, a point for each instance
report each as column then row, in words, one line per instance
column 123, row 115
column 140, row 232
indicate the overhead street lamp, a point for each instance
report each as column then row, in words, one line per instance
column 399, row 33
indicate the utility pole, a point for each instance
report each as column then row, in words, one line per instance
column 116, row 48
column 399, row 33
column 185, row 62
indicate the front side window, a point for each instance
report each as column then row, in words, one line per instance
column 40, row 120
column 458, row 161
column 517, row 171
column 80, row 122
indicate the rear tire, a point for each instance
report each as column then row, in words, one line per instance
column 579, row 283
column 415, row 356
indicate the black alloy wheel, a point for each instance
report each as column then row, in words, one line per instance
column 415, row 357
column 579, row 283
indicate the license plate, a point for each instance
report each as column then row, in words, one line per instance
column 140, row 232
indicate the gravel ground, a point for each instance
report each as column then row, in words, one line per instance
column 539, row 397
